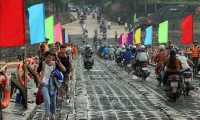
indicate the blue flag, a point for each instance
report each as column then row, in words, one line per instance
column 66, row 38
column 37, row 23
column 148, row 37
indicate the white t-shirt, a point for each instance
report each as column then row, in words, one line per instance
column 185, row 65
column 47, row 72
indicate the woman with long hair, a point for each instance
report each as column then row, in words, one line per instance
column 173, row 65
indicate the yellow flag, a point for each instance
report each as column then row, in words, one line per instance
column 61, row 36
column 138, row 36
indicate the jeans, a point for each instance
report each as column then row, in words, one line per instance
column 49, row 101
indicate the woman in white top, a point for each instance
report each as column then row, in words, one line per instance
column 47, row 67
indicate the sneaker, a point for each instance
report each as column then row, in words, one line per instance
column 67, row 96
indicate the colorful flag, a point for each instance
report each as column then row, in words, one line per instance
column 163, row 32
column 135, row 18
column 57, row 32
column 148, row 37
column 123, row 38
column 63, row 36
column 49, row 29
column 12, row 23
column 36, row 23
column 130, row 38
column 138, row 36
column 187, row 29
column 66, row 38
column 120, row 39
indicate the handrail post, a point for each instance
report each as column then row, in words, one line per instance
column 1, row 112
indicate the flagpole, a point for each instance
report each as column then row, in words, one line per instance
column 25, row 81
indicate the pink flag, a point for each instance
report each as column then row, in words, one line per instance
column 57, row 33
column 123, row 39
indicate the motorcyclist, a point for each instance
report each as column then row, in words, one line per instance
column 127, row 55
column 133, row 50
column 160, row 57
column 173, row 65
column 123, row 50
column 141, row 56
column 100, row 38
column 109, row 24
column 88, row 54
column 105, row 50
column 111, row 50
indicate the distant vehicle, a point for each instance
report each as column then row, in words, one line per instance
column 173, row 14
column 73, row 10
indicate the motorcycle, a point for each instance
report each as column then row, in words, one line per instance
column 124, row 64
column 104, row 35
column 93, row 16
column 173, row 90
column 111, row 57
column 81, row 21
column 88, row 64
column 106, row 56
column 187, row 77
column 142, row 70
column 118, row 59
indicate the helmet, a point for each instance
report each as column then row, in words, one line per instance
column 69, row 50
column 172, row 51
column 176, row 49
column 134, row 46
column 142, row 47
column 123, row 47
column 162, row 47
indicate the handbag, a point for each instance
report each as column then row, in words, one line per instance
column 39, row 97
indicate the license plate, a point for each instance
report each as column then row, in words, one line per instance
column 144, row 68
column 187, row 79
column 174, row 84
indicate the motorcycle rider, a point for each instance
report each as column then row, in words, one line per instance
column 109, row 25
column 127, row 55
column 111, row 50
column 133, row 50
column 123, row 50
column 100, row 38
column 88, row 53
column 141, row 56
column 173, row 65
column 105, row 50
column 160, row 57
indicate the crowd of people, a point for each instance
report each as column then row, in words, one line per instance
column 55, row 66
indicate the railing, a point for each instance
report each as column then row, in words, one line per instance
column 22, row 88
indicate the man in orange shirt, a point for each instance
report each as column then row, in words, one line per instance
column 195, row 55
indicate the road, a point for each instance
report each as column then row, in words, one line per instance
column 107, row 92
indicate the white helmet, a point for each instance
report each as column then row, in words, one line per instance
column 142, row 47
column 134, row 46
column 123, row 47
column 69, row 49
column 162, row 47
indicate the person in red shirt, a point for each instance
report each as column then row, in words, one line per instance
column 160, row 57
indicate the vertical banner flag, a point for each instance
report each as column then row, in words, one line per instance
column 61, row 39
column 63, row 36
column 148, row 37
column 123, row 38
column 66, row 38
column 187, row 29
column 57, row 32
column 138, row 36
column 135, row 18
column 120, row 40
column 49, row 29
column 36, row 23
column 163, row 32
column 12, row 23
column 130, row 38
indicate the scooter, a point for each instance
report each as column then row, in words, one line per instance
column 173, row 89
column 142, row 70
column 187, row 78
column 88, row 64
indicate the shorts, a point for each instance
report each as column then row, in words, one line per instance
column 66, row 79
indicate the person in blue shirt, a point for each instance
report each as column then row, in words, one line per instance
column 127, row 55
column 105, row 50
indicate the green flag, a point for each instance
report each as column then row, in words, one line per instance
column 163, row 32
column 134, row 18
column 49, row 29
